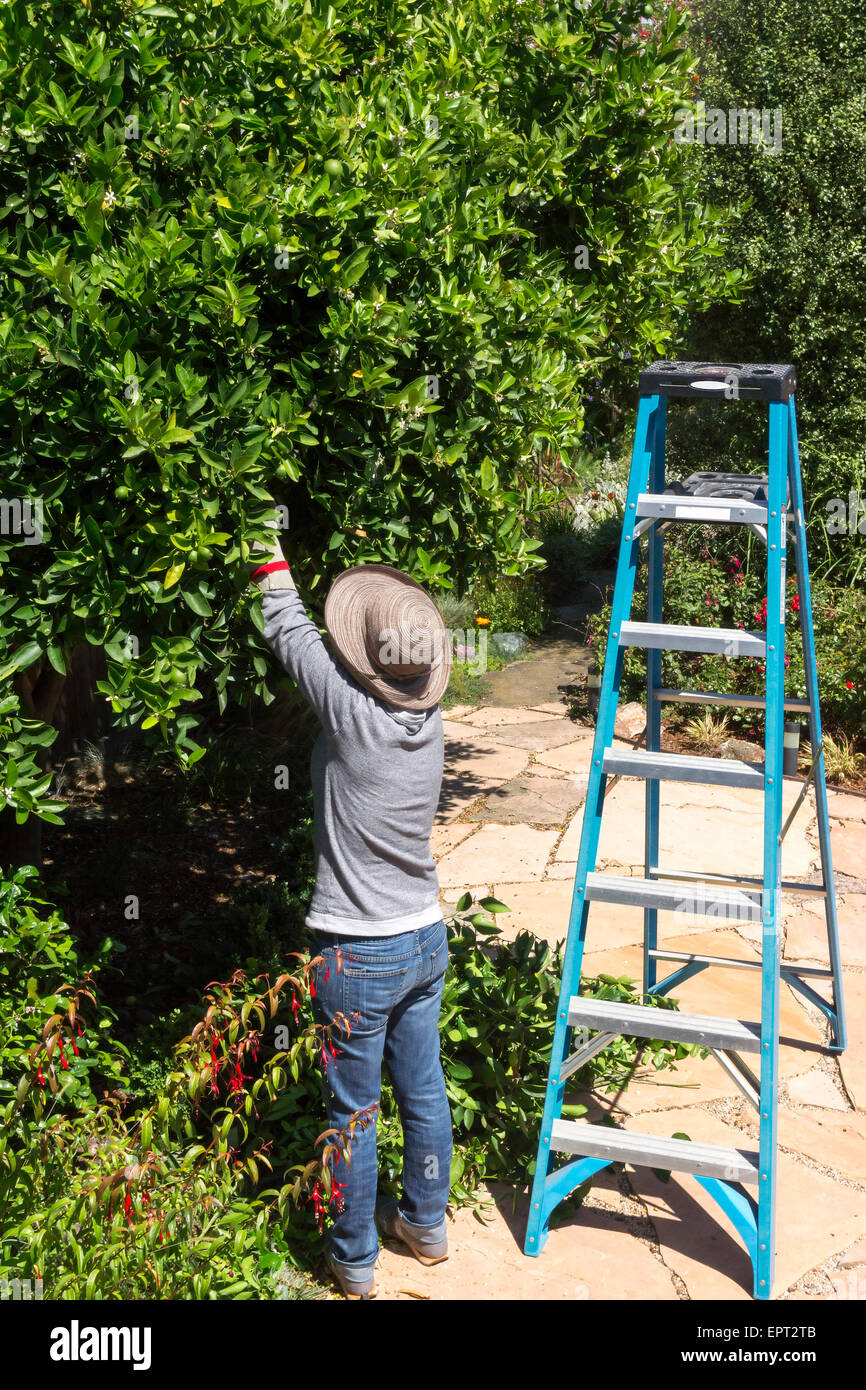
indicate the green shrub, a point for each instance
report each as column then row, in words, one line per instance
column 801, row 242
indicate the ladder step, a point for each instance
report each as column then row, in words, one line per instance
column 653, row 1151
column 643, row 1021
column 670, row 507
column 683, row 767
column 717, row 697
column 730, row 641
column 697, row 899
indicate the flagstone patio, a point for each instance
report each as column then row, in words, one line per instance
column 509, row 824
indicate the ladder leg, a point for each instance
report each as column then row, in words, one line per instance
column 655, row 542
column 546, row 1191
column 839, row 1034
column 772, row 889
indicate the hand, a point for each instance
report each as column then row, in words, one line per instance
column 272, row 578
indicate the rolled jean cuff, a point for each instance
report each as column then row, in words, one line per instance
column 437, row 1232
column 354, row 1268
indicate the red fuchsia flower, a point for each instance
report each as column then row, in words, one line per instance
column 40, row 1076
column 318, row 1205
column 850, row 685
column 63, row 1061
column 795, row 604
column 735, row 564
column 787, row 661
column 294, row 1003
column 237, row 1079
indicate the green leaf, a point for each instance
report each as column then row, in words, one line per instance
column 56, row 657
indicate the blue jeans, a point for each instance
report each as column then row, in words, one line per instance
column 390, row 989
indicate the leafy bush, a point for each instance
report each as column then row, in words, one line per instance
column 165, row 1200
column 49, row 1034
column 800, row 241
column 513, row 604
column 326, row 252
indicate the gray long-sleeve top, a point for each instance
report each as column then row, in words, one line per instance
column 377, row 774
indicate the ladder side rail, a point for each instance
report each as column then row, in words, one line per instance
column 542, row 1199
column 774, row 689
column 839, row 1038
column 655, row 561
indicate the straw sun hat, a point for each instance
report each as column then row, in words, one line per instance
column 389, row 634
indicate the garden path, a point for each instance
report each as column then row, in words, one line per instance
column 509, row 824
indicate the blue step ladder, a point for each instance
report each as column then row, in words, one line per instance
column 742, row 1183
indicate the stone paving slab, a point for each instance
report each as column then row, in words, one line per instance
column 490, row 716
column 806, row 933
column 447, row 837
column 536, row 738
column 472, row 769
column 849, row 850
column 574, row 757
column 846, row 805
column 830, row 1139
column 541, row 908
column 817, row 1089
column 531, row 801
column 504, row 853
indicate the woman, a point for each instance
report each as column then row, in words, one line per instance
column 377, row 773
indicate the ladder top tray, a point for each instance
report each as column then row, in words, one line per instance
column 753, row 381
column 750, row 487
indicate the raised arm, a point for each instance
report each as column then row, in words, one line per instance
column 296, row 643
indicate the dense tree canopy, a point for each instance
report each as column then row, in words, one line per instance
column 366, row 258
